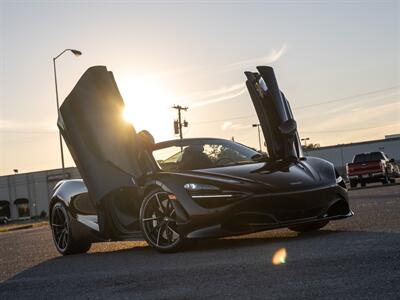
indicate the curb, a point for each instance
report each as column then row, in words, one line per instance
column 374, row 186
column 21, row 227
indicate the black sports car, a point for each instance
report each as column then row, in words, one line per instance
column 174, row 191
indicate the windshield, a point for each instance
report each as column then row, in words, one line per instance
column 202, row 154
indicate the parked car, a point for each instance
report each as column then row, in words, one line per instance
column 372, row 167
column 172, row 192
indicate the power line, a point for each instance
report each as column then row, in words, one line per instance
column 347, row 130
column 348, row 97
column 306, row 106
column 238, row 117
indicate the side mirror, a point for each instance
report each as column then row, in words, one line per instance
column 391, row 160
column 288, row 127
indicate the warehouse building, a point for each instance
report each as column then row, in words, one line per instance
column 339, row 155
column 23, row 196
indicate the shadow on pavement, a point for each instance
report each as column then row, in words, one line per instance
column 338, row 264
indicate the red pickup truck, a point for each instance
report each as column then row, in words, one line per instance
column 372, row 167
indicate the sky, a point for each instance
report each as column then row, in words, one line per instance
column 337, row 62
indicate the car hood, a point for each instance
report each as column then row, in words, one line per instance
column 277, row 177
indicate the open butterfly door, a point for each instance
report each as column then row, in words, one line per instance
column 105, row 148
column 275, row 115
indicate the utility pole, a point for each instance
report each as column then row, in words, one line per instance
column 178, row 124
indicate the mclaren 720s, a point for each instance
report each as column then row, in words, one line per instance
column 172, row 192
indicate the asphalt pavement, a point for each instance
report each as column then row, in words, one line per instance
column 355, row 258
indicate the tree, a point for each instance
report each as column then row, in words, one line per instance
column 311, row 146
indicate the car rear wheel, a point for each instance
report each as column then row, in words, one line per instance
column 158, row 222
column 309, row 227
column 385, row 180
column 63, row 235
column 353, row 183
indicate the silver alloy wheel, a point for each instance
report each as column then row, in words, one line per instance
column 159, row 221
column 60, row 227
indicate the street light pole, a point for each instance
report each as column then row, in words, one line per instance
column 259, row 135
column 77, row 53
column 58, row 114
column 305, row 143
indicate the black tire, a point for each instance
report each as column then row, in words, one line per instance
column 392, row 180
column 363, row 184
column 309, row 227
column 385, row 180
column 63, row 235
column 353, row 183
column 158, row 224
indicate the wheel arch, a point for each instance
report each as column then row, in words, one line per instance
column 151, row 185
column 65, row 190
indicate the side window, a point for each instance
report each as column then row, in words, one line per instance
column 169, row 158
column 219, row 153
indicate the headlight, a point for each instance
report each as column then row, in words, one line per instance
column 211, row 196
column 200, row 190
column 197, row 187
column 339, row 180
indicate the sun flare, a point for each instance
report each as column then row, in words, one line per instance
column 148, row 106
column 279, row 257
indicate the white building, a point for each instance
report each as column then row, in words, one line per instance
column 27, row 195
column 339, row 155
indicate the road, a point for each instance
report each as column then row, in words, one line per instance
column 353, row 258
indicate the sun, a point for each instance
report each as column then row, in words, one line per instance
column 148, row 106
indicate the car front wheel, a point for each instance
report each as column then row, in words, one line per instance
column 158, row 222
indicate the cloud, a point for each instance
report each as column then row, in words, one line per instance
column 350, row 118
column 203, row 98
column 221, row 98
column 271, row 57
column 228, row 125
column 358, row 111
column 197, row 96
column 7, row 126
column 167, row 73
column 226, row 93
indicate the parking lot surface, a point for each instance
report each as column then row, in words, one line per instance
column 353, row 258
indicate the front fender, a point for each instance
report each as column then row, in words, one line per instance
column 65, row 190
